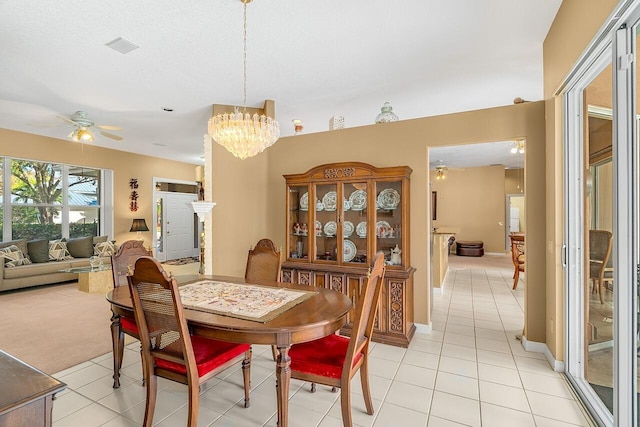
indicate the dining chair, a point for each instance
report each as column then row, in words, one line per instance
column 600, row 260
column 169, row 350
column 122, row 266
column 263, row 262
column 334, row 360
column 517, row 256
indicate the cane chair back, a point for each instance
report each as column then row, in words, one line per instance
column 263, row 262
column 600, row 260
column 122, row 262
column 169, row 351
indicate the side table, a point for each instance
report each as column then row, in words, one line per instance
column 26, row 395
column 93, row 279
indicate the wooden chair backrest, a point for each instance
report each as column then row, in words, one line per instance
column 365, row 314
column 122, row 262
column 160, row 317
column 263, row 262
column 600, row 244
column 517, row 249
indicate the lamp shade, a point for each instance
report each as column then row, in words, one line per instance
column 139, row 224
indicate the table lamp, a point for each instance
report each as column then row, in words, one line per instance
column 139, row 225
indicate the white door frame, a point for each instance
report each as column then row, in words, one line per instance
column 154, row 213
column 614, row 45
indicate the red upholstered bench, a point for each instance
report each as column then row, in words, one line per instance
column 475, row 248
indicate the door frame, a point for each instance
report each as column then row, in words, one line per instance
column 154, row 213
column 612, row 47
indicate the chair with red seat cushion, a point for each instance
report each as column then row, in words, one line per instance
column 334, row 360
column 169, row 351
column 122, row 266
column 264, row 263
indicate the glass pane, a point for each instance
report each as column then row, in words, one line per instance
column 84, row 222
column 355, row 220
column 388, row 221
column 299, row 203
column 35, row 223
column 327, row 220
column 159, row 222
column 598, row 214
column 36, row 183
column 83, row 186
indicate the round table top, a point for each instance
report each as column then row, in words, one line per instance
column 316, row 317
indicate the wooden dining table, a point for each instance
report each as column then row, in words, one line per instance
column 320, row 315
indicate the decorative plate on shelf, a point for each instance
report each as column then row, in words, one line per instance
column 388, row 199
column 382, row 228
column 361, row 229
column 347, row 229
column 348, row 251
column 330, row 229
column 329, row 201
column 304, row 202
column 358, row 200
column 318, row 228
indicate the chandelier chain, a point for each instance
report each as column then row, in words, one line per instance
column 244, row 58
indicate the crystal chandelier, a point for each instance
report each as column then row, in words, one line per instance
column 242, row 134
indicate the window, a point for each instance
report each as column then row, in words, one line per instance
column 50, row 200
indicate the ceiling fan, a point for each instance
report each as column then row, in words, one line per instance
column 440, row 168
column 84, row 128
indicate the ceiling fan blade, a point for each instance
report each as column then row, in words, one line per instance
column 71, row 134
column 66, row 119
column 112, row 136
column 108, row 127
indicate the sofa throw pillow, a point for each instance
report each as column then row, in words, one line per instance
column 20, row 243
column 13, row 256
column 58, row 250
column 80, row 247
column 99, row 239
column 105, row 249
column 38, row 250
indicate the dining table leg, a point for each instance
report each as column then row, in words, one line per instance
column 117, row 340
column 283, row 380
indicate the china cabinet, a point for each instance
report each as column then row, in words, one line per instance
column 338, row 217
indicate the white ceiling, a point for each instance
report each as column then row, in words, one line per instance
column 315, row 59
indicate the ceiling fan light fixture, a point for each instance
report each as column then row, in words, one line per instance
column 242, row 134
column 83, row 135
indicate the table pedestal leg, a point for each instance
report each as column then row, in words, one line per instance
column 117, row 339
column 283, row 379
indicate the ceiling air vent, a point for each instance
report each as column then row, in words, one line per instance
column 122, row 45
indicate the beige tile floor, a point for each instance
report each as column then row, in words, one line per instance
column 470, row 371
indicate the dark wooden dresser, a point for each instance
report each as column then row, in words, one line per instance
column 26, row 394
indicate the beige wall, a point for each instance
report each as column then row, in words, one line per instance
column 124, row 165
column 473, row 201
column 575, row 25
column 401, row 143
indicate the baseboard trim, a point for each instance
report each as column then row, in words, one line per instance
column 540, row 347
column 423, row 329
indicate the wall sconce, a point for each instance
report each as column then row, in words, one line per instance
column 139, row 225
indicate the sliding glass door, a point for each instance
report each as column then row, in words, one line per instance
column 601, row 226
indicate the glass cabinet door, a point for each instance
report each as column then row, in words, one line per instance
column 298, row 222
column 326, row 222
column 354, row 226
column 388, row 227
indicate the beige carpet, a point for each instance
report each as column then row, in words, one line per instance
column 56, row 327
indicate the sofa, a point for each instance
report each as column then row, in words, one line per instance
column 38, row 262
